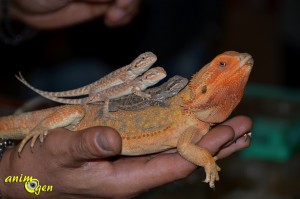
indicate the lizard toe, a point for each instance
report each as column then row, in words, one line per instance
column 33, row 140
column 212, row 175
column 42, row 136
column 25, row 140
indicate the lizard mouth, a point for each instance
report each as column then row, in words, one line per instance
column 246, row 59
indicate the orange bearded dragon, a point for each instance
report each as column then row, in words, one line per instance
column 209, row 98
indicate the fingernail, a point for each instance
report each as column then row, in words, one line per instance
column 103, row 142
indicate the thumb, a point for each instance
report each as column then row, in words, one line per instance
column 95, row 143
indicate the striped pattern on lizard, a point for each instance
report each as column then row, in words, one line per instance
column 124, row 74
column 158, row 96
column 136, row 86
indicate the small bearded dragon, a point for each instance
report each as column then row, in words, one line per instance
column 130, row 102
column 209, row 98
column 124, row 74
column 158, row 96
column 136, row 86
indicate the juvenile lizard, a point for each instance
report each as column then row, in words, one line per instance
column 130, row 102
column 136, row 86
column 124, row 74
column 158, row 96
column 210, row 97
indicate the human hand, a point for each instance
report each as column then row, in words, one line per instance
column 43, row 14
column 85, row 165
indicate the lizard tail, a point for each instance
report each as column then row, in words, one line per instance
column 70, row 93
column 48, row 96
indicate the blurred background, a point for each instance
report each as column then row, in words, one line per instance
column 185, row 36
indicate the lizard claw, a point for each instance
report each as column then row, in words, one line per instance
column 23, row 142
column 34, row 135
column 212, row 174
column 33, row 140
column 247, row 136
column 43, row 135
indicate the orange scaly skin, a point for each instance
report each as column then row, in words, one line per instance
column 211, row 96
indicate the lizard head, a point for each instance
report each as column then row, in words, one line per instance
column 142, row 63
column 153, row 76
column 219, row 86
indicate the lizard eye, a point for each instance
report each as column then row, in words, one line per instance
column 222, row 63
column 138, row 61
column 150, row 76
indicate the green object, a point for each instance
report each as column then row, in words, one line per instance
column 276, row 115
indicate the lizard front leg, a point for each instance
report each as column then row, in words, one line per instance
column 197, row 155
column 105, row 109
column 138, row 91
column 66, row 116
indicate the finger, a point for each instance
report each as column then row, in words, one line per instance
column 114, row 16
column 37, row 6
column 241, row 143
column 166, row 167
column 96, row 143
column 121, row 13
column 145, row 172
column 99, row 1
column 65, row 16
column 118, row 23
column 125, row 3
column 216, row 138
column 241, row 125
column 87, row 144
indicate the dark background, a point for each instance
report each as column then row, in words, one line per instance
column 185, row 36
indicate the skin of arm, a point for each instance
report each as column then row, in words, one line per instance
column 73, row 162
column 42, row 14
